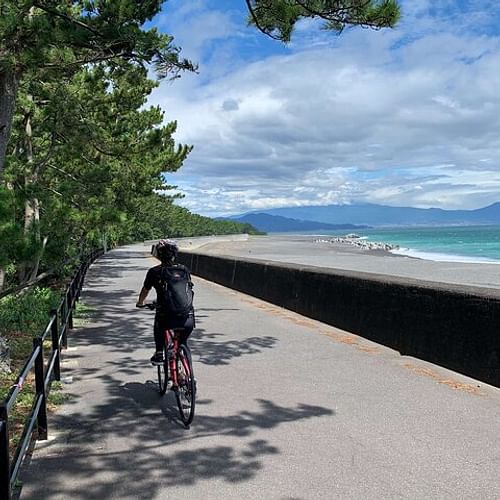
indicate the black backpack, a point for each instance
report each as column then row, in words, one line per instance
column 178, row 290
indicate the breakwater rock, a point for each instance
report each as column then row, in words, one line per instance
column 357, row 241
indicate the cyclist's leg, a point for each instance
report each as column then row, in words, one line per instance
column 159, row 336
column 184, row 334
column 159, row 331
column 187, row 328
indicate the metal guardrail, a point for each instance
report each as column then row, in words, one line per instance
column 60, row 321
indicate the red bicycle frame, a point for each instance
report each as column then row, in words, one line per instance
column 172, row 343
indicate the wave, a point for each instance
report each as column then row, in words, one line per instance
column 442, row 257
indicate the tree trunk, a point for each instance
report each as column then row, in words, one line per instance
column 8, row 91
column 32, row 205
column 32, row 209
column 36, row 264
column 31, row 223
column 4, row 356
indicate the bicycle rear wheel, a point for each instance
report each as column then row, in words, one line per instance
column 163, row 373
column 185, row 393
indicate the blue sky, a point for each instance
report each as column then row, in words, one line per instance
column 409, row 116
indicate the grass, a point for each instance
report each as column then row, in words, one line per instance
column 19, row 413
column 22, row 318
column 56, row 396
column 82, row 314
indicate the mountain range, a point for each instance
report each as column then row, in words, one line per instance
column 277, row 223
column 368, row 214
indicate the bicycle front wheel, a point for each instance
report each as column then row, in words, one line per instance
column 163, row 373
column 186, row 389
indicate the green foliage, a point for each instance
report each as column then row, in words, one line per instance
column 94, row 150
column 97, row 160
column 277, row 18
column 156, row 216
column 10, row 233
column 46, row 40
column 22, row 317
column 28, row 312
column 67, row 34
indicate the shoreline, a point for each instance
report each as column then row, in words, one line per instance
column 442, row 253
column 302, row 250
column 442, row 257
column 364, row 243
column 392, row 249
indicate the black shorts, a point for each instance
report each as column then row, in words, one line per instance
column 164, row 322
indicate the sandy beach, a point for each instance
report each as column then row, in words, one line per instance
column 307, row 251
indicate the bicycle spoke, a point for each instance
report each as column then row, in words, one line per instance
column 185, row 393
column 163, row 374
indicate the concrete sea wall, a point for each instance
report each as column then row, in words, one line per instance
column 195, row 242
column 457, row 327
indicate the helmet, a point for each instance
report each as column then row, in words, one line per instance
column 167, row 250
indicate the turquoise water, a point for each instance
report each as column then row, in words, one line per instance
column 468, row 243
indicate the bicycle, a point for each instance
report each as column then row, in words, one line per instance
column 177, row 368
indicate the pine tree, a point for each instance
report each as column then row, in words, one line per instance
column 61, row 36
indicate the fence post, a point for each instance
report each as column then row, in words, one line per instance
column 40, row 390
column 79, row 282
column 55, row 344
column 69, row 298
column 64, row 326
column 4, row 454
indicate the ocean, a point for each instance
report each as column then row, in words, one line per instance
column 456, row 244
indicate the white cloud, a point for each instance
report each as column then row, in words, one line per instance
column 372, row 116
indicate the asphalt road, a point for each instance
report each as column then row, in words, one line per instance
column 288, row 409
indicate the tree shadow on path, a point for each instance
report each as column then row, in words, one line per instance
column 124, row 447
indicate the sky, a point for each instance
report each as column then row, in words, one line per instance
column 402, row 117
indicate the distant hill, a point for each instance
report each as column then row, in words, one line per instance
column 381, row 215
column 279, row 224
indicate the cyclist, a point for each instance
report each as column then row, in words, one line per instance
column 166, row 252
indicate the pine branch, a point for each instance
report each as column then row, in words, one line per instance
column 258, row 25
column 67, row 18
column 28, row 284
column 91, row 60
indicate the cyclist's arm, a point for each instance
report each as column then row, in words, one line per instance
column 146, row 287
column 142, row 296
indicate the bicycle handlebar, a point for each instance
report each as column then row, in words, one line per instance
column 149, row 305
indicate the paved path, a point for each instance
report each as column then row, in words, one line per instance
column 288, row 409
